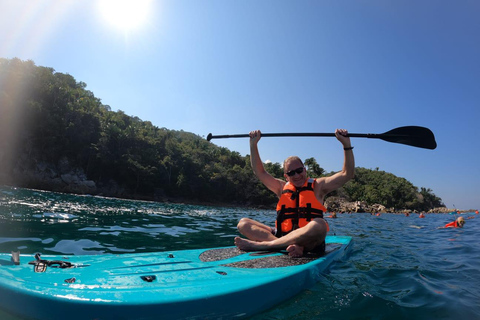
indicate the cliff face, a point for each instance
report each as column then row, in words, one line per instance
column 61, row 177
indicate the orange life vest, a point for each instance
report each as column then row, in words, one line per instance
column 453, row 224
column 297, row 207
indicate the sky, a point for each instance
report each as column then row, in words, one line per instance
column 229, row 67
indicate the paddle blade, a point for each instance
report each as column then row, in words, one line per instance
column 412, row 135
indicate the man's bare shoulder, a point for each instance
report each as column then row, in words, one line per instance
column 280, row 185
column 319, row 187
column 274, row 184
column 319, row 182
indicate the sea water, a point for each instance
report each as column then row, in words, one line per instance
column 399, row 267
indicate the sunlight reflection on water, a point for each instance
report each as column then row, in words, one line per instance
column 398, row 268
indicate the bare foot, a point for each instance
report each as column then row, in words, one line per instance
column 295, row 251
column 245, row 244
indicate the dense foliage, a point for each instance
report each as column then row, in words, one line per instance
column 375, row 186
column 46, row 116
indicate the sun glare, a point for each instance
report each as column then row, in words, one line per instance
column 125, row 14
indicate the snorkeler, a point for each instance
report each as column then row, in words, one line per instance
column 458, row 223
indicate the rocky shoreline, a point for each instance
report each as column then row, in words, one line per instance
column 64, row 177
column 337, row 204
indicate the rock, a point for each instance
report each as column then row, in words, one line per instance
column 68, row 178
column 377, row 208
column 63, row 165
column 441, row 210
column 89, row 184
column 338, row 204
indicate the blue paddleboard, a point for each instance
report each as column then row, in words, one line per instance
column 187, row 284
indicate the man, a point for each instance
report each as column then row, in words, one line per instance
column 302, row 228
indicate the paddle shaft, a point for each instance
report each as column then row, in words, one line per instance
column 411, row 135
column 302, row 134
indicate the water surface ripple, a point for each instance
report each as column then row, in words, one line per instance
column 398, row 268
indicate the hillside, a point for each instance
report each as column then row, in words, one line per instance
column 56, row 135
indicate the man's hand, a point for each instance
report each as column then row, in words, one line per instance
column 255, row 136
column 341, row 135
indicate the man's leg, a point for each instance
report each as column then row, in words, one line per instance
column 306, row 238
column 254, row 230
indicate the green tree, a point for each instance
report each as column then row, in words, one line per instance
column 47, row 116
column 313, row 169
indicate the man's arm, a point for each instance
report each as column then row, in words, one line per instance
column 329, row 184
column 273, row 184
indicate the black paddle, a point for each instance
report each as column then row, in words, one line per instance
column 412, row 135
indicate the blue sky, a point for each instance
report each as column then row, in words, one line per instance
column 230, row 67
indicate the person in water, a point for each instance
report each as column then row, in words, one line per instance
column 300, row 226
column 333, row 215
column 458, row 223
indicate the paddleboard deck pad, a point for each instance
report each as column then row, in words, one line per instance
column 188, row 284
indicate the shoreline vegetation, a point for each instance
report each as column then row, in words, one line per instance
column 55, row 135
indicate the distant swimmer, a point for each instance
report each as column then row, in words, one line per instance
column 333, row 215
column 421, row 215
column 458, row 223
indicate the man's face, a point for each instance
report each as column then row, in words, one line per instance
column 292, row 174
